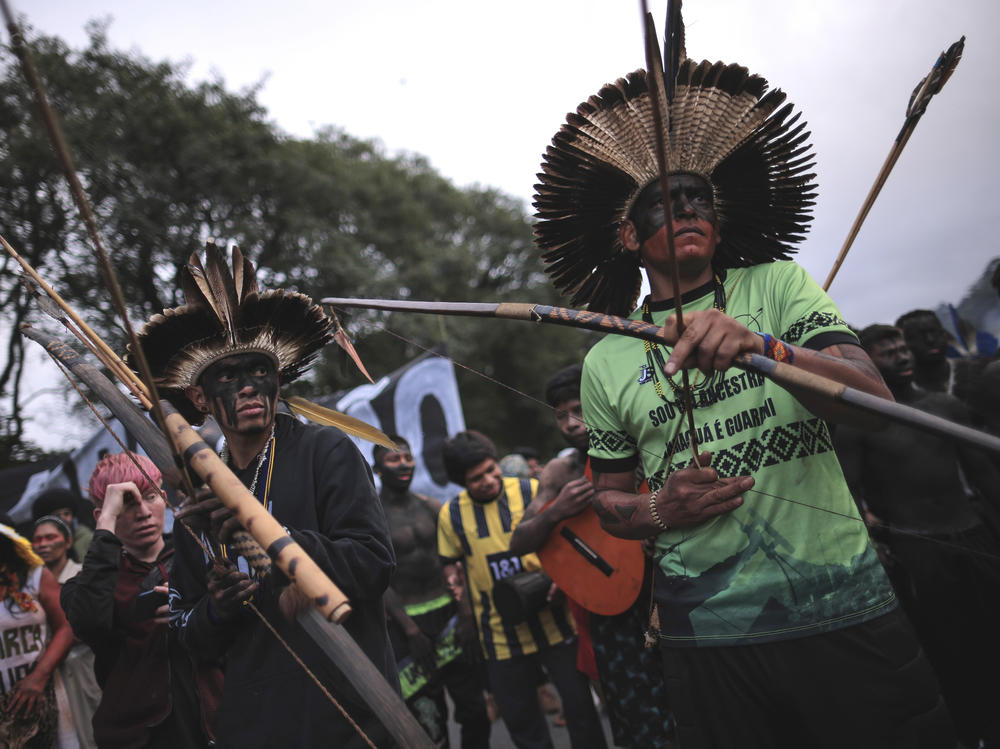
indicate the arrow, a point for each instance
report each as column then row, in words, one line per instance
column 930, row 85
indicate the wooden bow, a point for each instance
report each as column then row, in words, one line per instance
column 783, row 374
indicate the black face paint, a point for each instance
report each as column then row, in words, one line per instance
column 690, row 196
column 927, row 339
column 238, row 382
column 396, row 469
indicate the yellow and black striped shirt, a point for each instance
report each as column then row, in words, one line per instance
column 479, row 535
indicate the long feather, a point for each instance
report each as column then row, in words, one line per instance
column 220, row 283
column 674, row 51
column 329, row 417
column 197, row 289
column 340, row 336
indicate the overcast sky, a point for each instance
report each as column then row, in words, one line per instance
column 480, row 88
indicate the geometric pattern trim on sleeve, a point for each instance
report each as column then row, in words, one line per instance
column 800, row 439
column 809, row 323
column 612, row 442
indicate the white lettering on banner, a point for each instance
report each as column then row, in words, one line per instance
column 433, row 379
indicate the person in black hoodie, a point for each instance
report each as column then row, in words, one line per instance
column 152, row 691
column 229, row 363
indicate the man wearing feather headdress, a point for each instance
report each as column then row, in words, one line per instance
column 777, row 625
column 225, row 353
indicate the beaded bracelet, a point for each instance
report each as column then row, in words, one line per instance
column 777, row 349
column 655, row 513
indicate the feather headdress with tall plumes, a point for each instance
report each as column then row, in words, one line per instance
column 724, row 126
column 225, row 314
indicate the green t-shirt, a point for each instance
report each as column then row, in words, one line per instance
column 795, row 558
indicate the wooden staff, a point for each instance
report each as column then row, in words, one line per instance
column 330, row 603
column 783, row 374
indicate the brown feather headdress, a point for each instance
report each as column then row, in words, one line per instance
column 724, row 125
column 225, row 314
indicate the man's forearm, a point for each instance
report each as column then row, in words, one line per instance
column 532, row 532
column 845, row 363
column 394, row 607
column 624, row 514
column 848, row 365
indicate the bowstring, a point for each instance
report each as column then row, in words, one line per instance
column 312, row 676
column 673, row 443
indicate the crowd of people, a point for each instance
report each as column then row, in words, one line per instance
column 98, row 664
column 715, row 562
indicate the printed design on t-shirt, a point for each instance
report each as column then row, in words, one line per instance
column 503, row 564
column 611, row 442
column 780, row 444
column 812, row 321
column 752, row 319
column 796, row 593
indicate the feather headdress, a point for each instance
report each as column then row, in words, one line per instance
column 225, row 314
column 22, row 546
column 724, row 126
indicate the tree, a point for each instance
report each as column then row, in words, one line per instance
column 167, row 165
column 164, row 166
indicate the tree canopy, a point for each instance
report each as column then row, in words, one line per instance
column 168, row 165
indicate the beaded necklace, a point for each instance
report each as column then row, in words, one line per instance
column 10, row 587
column 262, row 456
column 653, row 350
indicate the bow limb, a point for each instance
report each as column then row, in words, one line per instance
column 783, row 374
column 124, row 410
column 321, row 621
column 656, row 78
column 63, row 313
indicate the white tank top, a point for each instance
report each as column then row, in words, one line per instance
column 23, row 634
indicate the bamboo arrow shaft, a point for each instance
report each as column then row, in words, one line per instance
column 866, row 206
column 783, row 374
column 656, row 77
column 254, row 517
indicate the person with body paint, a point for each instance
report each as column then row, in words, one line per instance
column 925, row 498
column 433, row 636
column 772, row 608
column 230, row 364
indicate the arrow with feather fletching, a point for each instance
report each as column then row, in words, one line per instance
column 932, row 83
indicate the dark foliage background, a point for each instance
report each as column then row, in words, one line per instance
column 168, row 165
